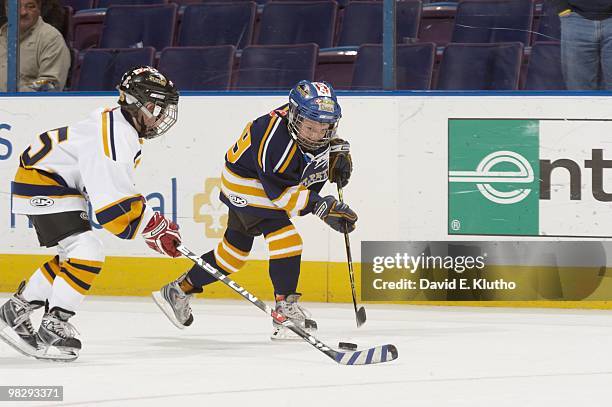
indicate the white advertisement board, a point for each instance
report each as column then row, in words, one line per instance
column 179, row 173
column 400, row 185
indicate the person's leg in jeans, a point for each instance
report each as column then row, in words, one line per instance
column 606, row 53
column 580, row 52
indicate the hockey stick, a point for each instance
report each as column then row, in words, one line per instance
column 360, row 314
column 377, row 354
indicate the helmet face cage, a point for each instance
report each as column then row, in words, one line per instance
column 315, row 101
column 296, row 121
column 148, row 91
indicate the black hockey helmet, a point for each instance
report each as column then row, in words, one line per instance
column 147, row 90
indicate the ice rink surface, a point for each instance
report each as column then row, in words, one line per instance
column 447, row 357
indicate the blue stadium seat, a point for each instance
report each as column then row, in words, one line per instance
column 137, row 26
column 414, row 67
column 198, row 68
column 276, row 66
column 78, row 4
column 218, row 24
column 355, row 31
column 544, row 70
column 108, row 3
column 102, row 69
column 284, row 23
column 479, row 21
column 480, row 66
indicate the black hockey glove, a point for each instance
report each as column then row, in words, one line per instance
column 340, row 162
column 336, row 214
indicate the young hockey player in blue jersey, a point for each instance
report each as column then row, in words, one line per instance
column 275, row 171
column 92, row 161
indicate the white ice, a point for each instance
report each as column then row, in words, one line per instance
column 447, row 357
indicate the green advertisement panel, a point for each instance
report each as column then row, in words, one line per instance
column 493, row 177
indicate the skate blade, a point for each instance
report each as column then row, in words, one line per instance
column 166, row 309
column 57, row 354
column 282, row 334
column 10, row 337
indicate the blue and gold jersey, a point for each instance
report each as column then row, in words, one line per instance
column 268, row 175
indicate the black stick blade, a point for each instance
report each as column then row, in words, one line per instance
column 361, row 316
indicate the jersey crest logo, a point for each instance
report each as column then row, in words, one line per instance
column 41, row 202
column 238, row 201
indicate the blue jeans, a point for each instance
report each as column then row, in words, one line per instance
column 586, row 52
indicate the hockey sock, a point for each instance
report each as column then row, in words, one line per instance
column 40, row 284
column 74, row 281
column 228, row 257
column 285, row 274
column 198, row 277
column 285, row 247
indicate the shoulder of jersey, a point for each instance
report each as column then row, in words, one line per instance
column 275, row 147
column 118, row 139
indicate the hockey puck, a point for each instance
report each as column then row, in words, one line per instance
column 347, row 345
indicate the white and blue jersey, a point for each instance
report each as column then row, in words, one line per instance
column 93, row 160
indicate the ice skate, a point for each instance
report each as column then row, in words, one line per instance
column 57, row 336
column 15, row 324
column 174, row 302
column 297, row 314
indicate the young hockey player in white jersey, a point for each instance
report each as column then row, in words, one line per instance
column 93, row 160
column 275, row 171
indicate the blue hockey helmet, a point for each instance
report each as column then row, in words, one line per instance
column 316, row 102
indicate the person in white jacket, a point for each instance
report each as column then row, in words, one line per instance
column 91, row 161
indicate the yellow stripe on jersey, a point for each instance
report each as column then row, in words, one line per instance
column 33, row 177
column 263, row 140
column 250, row 189
column 243, row 189
column 122, row 217
column 289, row 158
column 285, row 242
column 105, row 133
column 293, row 199
column 31, row 182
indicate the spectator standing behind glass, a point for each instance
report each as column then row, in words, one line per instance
column 586, row 43
column 43, row 54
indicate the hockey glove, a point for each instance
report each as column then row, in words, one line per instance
column 162, row 235
column 340, row 162
column 336, row 214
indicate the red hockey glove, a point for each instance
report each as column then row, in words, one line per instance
column 162, row 235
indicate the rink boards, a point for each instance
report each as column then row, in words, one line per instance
column 406, row 154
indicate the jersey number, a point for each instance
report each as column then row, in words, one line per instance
column 244, row 142
column 47, row 145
